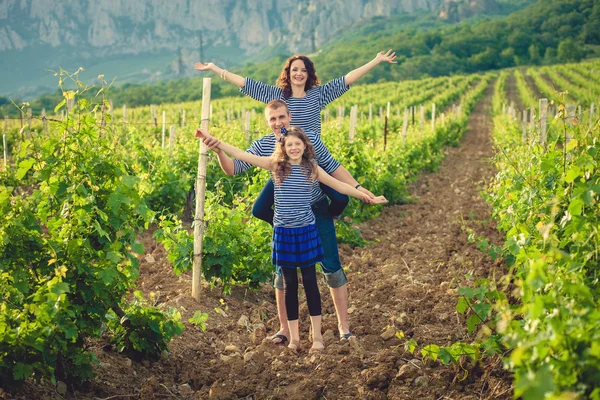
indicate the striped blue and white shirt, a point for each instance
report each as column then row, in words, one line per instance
column 293, row 200
column 306, row 111
column 265, row 146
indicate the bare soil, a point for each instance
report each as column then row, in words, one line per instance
column 406, row 279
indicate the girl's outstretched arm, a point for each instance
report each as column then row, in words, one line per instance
column 358, row 73
column 262, row 162
column 344, row 188
column 223, row 73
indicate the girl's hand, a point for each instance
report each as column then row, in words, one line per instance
column 379, row 200
column 203, row 135
column 390, row 57
column 366, row 191
column 204, row 67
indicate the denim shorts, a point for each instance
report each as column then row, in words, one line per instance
column 331, row 266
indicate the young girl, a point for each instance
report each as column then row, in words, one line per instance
column 299, row 87
column 296, row 241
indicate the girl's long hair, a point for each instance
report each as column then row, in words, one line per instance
column 284, row 78
column 283, row 168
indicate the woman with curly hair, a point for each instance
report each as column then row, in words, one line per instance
column 296, row 241
column 299, row 87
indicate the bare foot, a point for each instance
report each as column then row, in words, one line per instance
column 317, row 347
column 294, row 345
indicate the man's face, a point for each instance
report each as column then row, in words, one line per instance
column 278, row 118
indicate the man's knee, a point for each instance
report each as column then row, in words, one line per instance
column 336, row 279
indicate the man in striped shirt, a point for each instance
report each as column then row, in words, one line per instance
column 277, row 117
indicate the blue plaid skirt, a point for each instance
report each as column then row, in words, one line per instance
column 296, row 247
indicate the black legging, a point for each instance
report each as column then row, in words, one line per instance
column 309, row 280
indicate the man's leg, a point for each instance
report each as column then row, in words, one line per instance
column 332, row 266
column 338, row 200
column 263, row 206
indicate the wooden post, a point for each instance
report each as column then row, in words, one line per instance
column 571, row 115
column 29, row 116
column 44, row 120
column 405, row 124
column 228, row 116
column 164, row 128
column 380, row 112
column 524, row 122
column 247, row 127
column 543, row 104
column 200, row 189
column 385, row 132
column 124, row 112
column 579, row 113
column 4, row 146
column 370, row 114
column 591, row 114
column 433, row 117
column 353, row 117
column 171, row 140
column 532, row 118
column 387, row 113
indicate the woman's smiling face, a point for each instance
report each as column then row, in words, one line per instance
column 298, row 73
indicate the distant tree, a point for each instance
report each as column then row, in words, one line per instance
column 550, row 55
column 534, row 54
column 569, row 51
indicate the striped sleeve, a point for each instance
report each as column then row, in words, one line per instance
column 255, row 148
column 260, row 91
column 322, row 154
column 332, row 90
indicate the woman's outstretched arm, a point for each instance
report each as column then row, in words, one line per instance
column 223, row 73
column 359, row 72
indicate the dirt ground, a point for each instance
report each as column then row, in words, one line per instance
column 406, row 279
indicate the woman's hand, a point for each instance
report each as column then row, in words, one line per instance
column 390, row 57
column 205, row 66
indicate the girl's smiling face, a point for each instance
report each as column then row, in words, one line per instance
column 298, row 73
column 294, row 149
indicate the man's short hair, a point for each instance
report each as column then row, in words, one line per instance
column 275, row 104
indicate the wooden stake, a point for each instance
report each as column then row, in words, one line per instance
column 124, row 112
column 387, row 113
column 591, row 114
column 370, row 114
column 385, row 133
column 200, row 191
column 171, row 140
column 405, row 124
column 433, row 117
column 353, row 117
column 44, row 120
column 422, row 122
column 164, row 128
column 4, row 145
column 543, row 104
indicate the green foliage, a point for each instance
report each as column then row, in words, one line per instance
column 199, row 319
column 68, row 250
column 546, row 200
column 142, row 329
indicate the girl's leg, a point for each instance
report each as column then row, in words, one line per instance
column 338, row 200
column 263, row 206
column 313, row 298
column 290, row 282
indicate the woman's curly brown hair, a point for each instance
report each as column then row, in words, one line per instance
column 283, row 168
column 284, row 78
